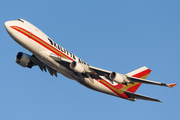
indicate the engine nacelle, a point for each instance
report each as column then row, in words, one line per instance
column 23, row 60
column 77, row 67
column 119, row 78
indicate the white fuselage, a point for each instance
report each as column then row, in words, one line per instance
column 50, row 55
column 35, row 41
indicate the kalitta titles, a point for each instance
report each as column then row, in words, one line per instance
column 66, row 52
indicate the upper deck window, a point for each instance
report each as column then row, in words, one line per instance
column 20, row 20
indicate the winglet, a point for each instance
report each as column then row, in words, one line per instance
column 171, row 85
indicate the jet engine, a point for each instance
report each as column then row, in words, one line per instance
column 24, row 60
column 77, row 67
column 119, row 78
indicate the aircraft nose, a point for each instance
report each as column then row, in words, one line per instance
column 7, row 26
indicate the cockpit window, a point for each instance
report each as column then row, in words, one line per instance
column 20, row 20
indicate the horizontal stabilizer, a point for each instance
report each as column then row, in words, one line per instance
column 138, row 96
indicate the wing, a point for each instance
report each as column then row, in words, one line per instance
column 42, row 66
column 128, row 78
column 100, row 71
column 63, row 61
column 134, row 79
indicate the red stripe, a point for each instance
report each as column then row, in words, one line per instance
column 134, row 88
column 49, row 46
column 120, row 95
column 30, row 36
column 131, row 89
column 138, row 75
column 123, row 95
column 141, row 74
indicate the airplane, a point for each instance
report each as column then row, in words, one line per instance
column 48, row 55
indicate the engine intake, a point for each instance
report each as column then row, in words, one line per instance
column 77, row 67
column 119, row 78
column 24, row 60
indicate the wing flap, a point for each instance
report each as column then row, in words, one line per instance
column 138, row 96
column 63, row 61
column 100, row 71
column 59, row 59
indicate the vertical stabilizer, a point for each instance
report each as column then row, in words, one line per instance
column 142, row 72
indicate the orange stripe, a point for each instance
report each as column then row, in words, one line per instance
column 129, row 87
column 40, row 41
column 116, row 89
column 119, row 92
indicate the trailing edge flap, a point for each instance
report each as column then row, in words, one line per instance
column 63, row 61
column 138, row 96
column 100, row 71
column 59, row 59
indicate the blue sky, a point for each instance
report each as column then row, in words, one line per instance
column 115, row 35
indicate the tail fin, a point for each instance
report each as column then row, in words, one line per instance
column 142, row 72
